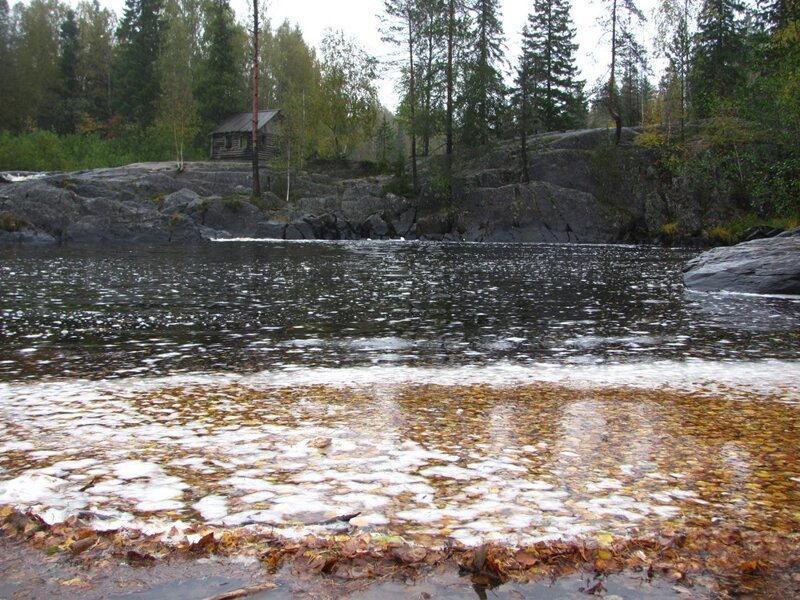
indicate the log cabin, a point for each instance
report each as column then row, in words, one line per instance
column 232, row 139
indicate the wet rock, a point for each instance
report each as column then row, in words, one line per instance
column 765, row 266
column 375, row 228
column 403, row 223
column 180, row 201
column 270, row 231
column 299, row 230
column 26, row 236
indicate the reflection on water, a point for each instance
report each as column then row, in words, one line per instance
column 443, row 392
column 94, row 312
column 429, row 462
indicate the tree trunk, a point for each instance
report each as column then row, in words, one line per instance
column 451, row 26
column 612, row 104
column 413, row 100
column 254, row 143
column 523, row 127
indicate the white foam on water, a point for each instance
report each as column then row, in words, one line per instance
column 138, row 465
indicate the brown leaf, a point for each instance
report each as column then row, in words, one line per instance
column 82, row 545
column 205, row 545
column 320, row 442
column 753, row 566
column 355, row 546
column 137, row 559
column 409, row 555
column 479, row 557
column 597, row 588
column 526, row 559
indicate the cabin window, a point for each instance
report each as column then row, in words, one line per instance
column 228, row 142
column 243, row 142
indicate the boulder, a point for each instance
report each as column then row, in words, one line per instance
column 270, row 231
column 179, row 201
column 375, row 228
column 765, row 266
column 299, row 230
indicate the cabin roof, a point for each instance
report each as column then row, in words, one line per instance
column 243, row 122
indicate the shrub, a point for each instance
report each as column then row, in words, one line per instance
column 11, row 222
column 670, row 230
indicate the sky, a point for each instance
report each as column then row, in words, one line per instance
column 361, row 20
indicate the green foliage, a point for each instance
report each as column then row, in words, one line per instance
column 220, row 85
column 348, row 94
column 718, row 70
column 140, row 37
column 45, row 151
column 548, row 68
column 670, row 230
column 234, row 202
column 399, row 185
column 483, row 93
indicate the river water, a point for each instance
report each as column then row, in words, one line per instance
column 513, row 393
column 244, row 308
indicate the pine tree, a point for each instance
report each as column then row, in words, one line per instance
column 136, row 81
column 634, row 87
column 483, row 92
column 402, row 30
column 549, row 52
column 717, row 70
column 621, row 16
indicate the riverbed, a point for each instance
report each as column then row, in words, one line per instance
column 441, row 394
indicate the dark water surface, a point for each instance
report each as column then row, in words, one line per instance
column 245, row 307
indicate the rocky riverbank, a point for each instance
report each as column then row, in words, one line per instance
column 567, row 200
column 765, row 266
column 582, row 189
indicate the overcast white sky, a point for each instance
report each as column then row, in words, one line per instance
column 361, row 20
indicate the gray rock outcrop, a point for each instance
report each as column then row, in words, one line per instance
column 763, row 266
column 582, row 189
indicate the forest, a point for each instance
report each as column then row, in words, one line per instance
column 84, row 87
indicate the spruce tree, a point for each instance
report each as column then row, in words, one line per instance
column 96, row 26
column 7, row 73
column 484, row 92
column 431, row 68
column 67, row 111
column 549, row 52
column 717, row 71
column 136, row 79
column 219, row 86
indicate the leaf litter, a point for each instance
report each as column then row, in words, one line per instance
column 518, row 483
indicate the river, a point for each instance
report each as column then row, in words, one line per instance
column 462, row 392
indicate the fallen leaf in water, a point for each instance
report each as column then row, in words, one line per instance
column 409, row 554
column 83, row 545
column 526, row 559
column 597, row 588
column 320, row 442
column 137, row 559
